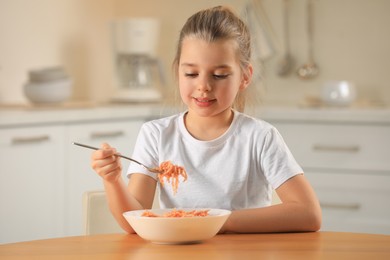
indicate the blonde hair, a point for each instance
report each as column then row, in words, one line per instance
column 218, row 23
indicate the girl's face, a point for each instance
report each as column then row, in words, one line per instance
column 209, row 76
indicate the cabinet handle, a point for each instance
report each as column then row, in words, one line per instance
column 108, row 134
column 334, row 148
column 31, row 139
column 347, row 206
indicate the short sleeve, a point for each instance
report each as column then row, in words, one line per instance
column 145, row 151
column 278, row 163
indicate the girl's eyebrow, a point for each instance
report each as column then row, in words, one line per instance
column 222, row 66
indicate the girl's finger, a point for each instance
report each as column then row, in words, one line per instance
column 109, row 170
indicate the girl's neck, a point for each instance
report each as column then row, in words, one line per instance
column 208, row 128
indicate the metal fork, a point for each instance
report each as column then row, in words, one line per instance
column 154, row 170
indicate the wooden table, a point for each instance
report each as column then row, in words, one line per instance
column 318, row 245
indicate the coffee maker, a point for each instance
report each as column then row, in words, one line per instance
column 139, row 74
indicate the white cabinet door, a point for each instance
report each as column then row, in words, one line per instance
column 353, row 202
column 339, row 146
column 79, row 176
column 348, row 166
column 31, row 183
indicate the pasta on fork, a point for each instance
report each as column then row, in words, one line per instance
column 171, row 173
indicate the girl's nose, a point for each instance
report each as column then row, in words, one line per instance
column 204, row 85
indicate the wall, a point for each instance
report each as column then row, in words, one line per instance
column 351, row 42
column 36, row 34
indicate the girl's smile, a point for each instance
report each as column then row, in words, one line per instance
column 204, row 102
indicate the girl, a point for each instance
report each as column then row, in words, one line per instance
column 232, row 160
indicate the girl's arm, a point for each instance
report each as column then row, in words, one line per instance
column 299, row 211
column 138, row 194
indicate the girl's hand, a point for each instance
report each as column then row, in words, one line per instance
column 106, row 164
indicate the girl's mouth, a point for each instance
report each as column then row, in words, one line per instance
column 204, row 102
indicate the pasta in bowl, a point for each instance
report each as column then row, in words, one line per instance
column 177, row 226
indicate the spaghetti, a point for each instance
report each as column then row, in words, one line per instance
column 175, row 213
column 171, row 173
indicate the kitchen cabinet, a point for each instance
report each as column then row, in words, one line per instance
column 31, row 183
column 43, row 176
column 347, row 164
column 353, row 202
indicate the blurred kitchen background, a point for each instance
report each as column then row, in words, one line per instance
column 61, row 54
column 351, row 42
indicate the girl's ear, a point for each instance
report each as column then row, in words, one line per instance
column 246, row 77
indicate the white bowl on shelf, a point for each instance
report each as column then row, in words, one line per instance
column 176, row 230
column 49, row 92
column 338, row 93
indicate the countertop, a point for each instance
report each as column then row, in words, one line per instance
column 63, row 114
column 39, row 115
column 326, row 114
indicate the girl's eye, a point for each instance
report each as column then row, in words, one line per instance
column 221, row 76
column 216, row 76
column 191, row 75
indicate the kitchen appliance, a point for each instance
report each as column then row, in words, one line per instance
column 139, row 75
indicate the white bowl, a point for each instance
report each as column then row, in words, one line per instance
column 48, row 92
column 338, row 93
column 168, row 230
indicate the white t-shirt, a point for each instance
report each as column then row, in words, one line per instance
column 235, row 171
